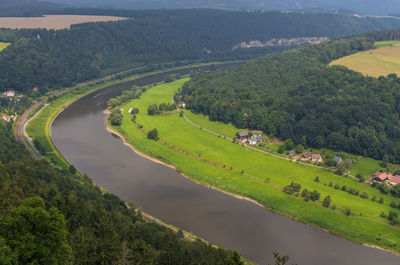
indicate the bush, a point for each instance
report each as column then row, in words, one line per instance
column 39, row 147
column 292, row 188
column 153, row 134
column 115, row 117
column 316, row 179
column 327, row 201
column 364, row 195
column 337, row 186
column 347, row 212
column 393, row 218
column 383, row 215
column 299, row 149
column 393, row 204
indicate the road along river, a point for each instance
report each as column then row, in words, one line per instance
column 79, row 132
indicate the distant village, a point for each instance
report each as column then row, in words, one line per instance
column 281, row 42
column 383, row 177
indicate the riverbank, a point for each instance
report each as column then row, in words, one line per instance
column 250, row 174
column 42, row 119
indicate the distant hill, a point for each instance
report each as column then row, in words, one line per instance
column 363, row 6
column 296, row 95
column 26, row 8
column 92, row 50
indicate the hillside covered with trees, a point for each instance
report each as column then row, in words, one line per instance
column 51, row 59
column 48, row 216
column 296, row 95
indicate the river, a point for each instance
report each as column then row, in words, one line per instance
column 79, row 133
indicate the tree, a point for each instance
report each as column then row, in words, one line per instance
column 282, row 148
column 316, row 179
column 153, row 134
column 327, row 201
column 115, row 117
column 289, row 144
column 299, row 149
column 36, row 235
column 280, row 260
column 395, row 191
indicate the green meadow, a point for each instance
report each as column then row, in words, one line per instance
column 4, row 45
column 215, row 161
column 381, row 61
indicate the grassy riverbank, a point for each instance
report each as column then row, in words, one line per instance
column 215, row 161
column 39, row 128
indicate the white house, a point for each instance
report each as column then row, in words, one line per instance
column 10, row 93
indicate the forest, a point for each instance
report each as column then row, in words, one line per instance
column 52, row 216
column 50, row 59
column 296, row 95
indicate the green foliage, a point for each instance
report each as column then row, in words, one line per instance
column 292, row 188
column 289, row 144
column 115, row 117
column 153, row 134
column 39, row 147
column 126, row 96
column 299, row 149
column 330, row 107
column 34, row 234
column 47, row 215
column 327, row 201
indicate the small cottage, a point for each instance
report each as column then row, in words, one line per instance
column 380, row 177
column 306, row 156
column 394, row 180
column 338, row 159
column 255, row 139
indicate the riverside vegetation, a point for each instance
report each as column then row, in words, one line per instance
column 341, row 205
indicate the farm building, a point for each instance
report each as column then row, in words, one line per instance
column 337, row 159
column 242, row 136
column 255, row 139
column 316, row 158
column 394, row 180
column 380, row 177
column 10, row 93
column 306, row 156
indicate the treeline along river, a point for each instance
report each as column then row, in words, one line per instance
column 79, row 132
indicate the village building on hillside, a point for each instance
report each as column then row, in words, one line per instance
column 10, row 93
column 255, row 139
column 7, row 118
column 183, row 105
column 394, row 180
column 317, row 158
column 306, row 156
column 380, row 177
column 338, row 159
column 292, row 153
column 242, row 136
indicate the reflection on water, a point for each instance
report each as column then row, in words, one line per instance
column 79, row 133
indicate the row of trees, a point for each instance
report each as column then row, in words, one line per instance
column 296, row 95
column 163, row 107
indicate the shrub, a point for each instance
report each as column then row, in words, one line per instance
column 316, row 179
column 347, row 212
column 292, row 188
column 364, row 195
column 383, row 215
column 115, row 117
column 327, row 201
column 337, row 186
column 153, row 134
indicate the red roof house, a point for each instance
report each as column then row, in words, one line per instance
column 381, row 177
column 394, row 180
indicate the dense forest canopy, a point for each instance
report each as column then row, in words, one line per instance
column 296, row 95
column 51, row 59
column 48, row 216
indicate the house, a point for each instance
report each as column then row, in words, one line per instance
column 242, row 136
column 306, row 156
column 183, row 105
column 10, row 93
column 35, row 89
column 292, row 153
column 255, row 139
column 380, row 177
column 316, row 158
column 350, row 161
column 337, row 159
column 130, row 110
column 394, row 180
column 6, row 117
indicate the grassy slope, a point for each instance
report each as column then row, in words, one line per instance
column 382, row 61
column 4, row 45
column 204, row 158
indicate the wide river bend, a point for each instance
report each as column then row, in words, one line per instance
column 79, row 133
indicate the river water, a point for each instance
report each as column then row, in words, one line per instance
column 80, row 135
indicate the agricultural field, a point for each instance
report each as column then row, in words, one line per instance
column 215, row 161
column 52, row 21
column 383, row 60
column 4, row 45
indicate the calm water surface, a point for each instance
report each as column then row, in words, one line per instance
column 80, row 135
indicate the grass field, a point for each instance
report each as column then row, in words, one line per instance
column 212, row 160
column 4, row 45
column 383, row 60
